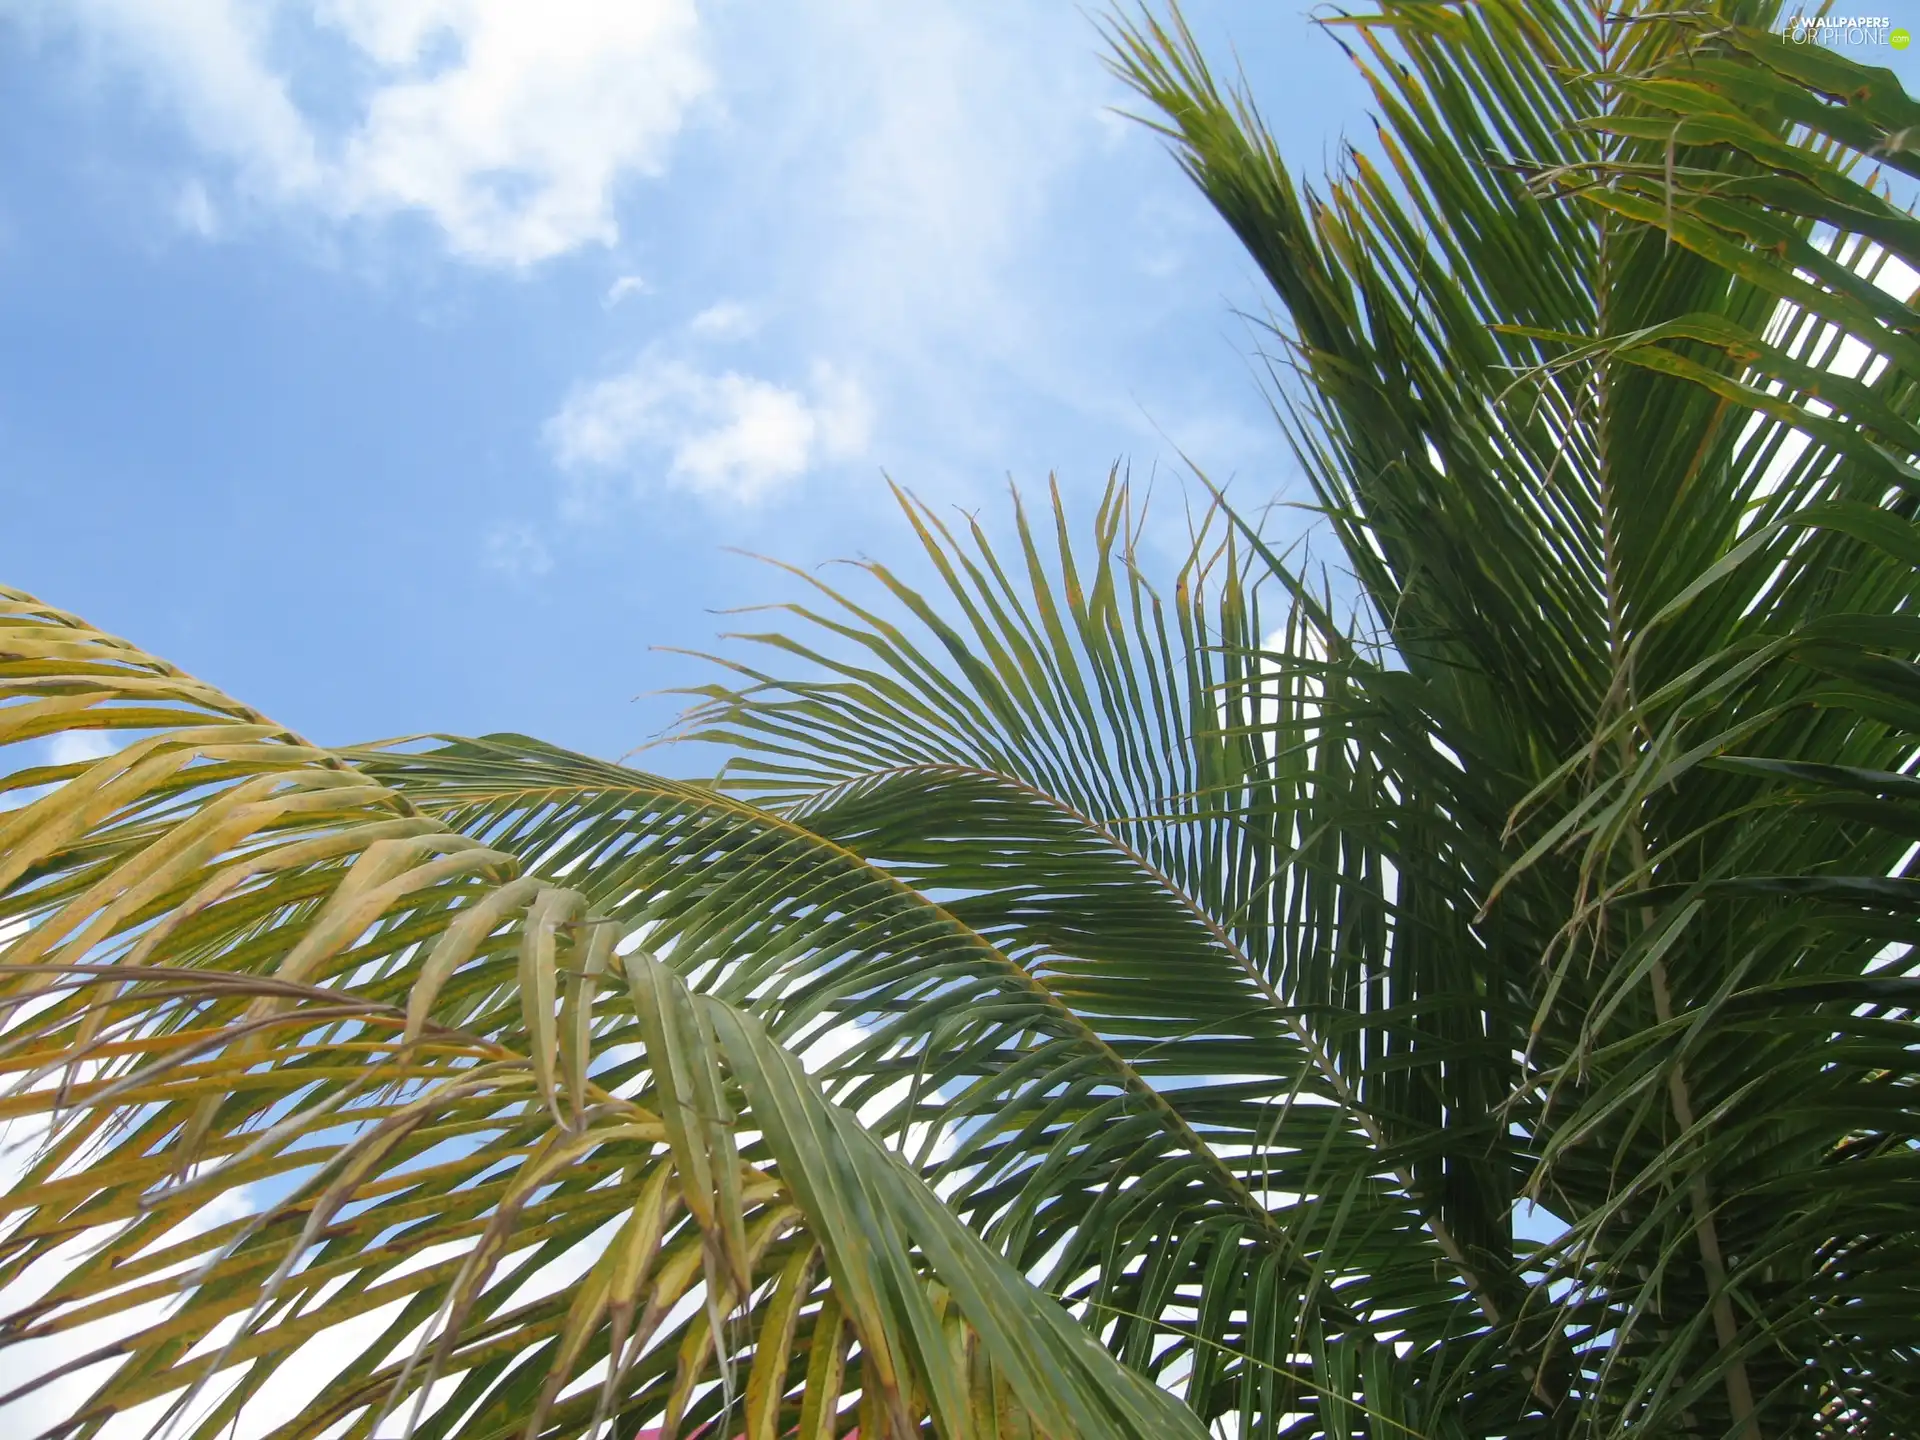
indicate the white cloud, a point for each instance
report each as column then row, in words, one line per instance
column 509, row 125
column 727, row 436
column 193, row 211
column 943, row 141
column 74, row 747
column 518, row 553
column 729, row 320
column 623, row 287
column 515, row 149
column 205, row 59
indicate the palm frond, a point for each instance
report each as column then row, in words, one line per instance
column 310, row 1067
column 1604, row 388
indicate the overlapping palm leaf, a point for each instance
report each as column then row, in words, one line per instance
column 456, row 1130
column 1020, row 886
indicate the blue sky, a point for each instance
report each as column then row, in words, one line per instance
column 412, row 364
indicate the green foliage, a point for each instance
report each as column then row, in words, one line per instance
column 1071, row 983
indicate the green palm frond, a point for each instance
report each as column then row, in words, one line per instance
column 1606, row 384
column 1039, row 969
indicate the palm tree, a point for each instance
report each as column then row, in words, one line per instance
column 1081, row 1007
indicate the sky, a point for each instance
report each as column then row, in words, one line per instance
column 412, row 365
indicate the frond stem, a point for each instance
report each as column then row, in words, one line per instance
column 1322, row 1060
column 1130, row 1080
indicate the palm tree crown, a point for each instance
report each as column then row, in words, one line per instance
column 1084, row 1005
